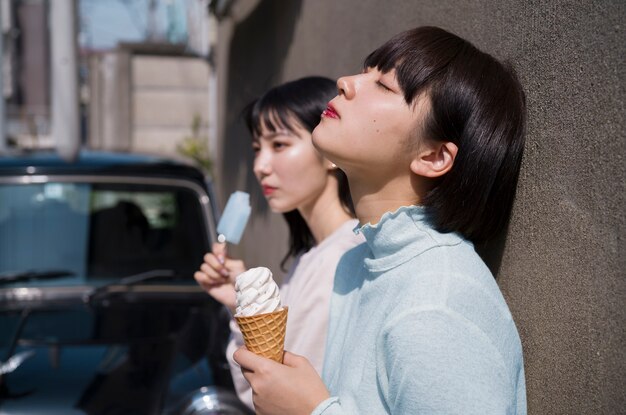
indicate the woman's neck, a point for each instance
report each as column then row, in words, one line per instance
column 371, row 202
column 326, row 213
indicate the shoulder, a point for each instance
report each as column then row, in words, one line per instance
column 446, row 271
column 475, row 296
column 332, row 248
column 345, row 237
column 317, row 267
column 460, row 296
column 455, row 278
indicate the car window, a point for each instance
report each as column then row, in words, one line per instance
column 100, row 230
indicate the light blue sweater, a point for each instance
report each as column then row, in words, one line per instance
column 419, row 326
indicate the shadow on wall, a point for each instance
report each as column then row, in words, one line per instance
column 258, row 49
column 492, row 250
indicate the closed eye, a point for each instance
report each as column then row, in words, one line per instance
column 383, row 86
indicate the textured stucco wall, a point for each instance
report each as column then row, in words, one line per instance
column 562, row 263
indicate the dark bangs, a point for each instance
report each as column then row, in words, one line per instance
column 261, row 115
column 419, row 56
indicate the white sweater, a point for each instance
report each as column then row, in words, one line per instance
column 306, row 291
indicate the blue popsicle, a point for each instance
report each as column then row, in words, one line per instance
column 234, row 218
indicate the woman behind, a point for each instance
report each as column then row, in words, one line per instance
column 312, row 193
column 430, row 135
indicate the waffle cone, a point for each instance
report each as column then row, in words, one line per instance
column 264, row 334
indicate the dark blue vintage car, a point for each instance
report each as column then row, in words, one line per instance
column 99, row 312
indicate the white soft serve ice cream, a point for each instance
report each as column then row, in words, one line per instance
column 257, row 293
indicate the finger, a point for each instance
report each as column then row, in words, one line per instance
column 293, row 360
column 209, row 270
column 249, row 376
column 210, row 276
column 219, row 250
column 213, row 276
column 201, row 278
column 212, row 260
column 212, row 265
column 248, row 360
column 205, row 281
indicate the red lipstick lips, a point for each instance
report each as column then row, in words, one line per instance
column 268, row 190
column 330, row 112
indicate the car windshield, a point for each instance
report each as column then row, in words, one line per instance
column 99, row 230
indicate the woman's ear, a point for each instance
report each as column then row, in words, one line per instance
column 435, row 159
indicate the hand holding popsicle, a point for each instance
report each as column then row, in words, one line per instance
column 218, row 272
column 218, row 278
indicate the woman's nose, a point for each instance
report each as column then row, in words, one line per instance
column 345, row 85
column 262, row 164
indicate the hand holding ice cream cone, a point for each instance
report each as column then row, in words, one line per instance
column 293, row 387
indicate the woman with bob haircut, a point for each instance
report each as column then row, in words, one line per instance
column 430, row 135
column 313, row 196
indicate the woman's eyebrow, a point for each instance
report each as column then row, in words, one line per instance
column 273, row 134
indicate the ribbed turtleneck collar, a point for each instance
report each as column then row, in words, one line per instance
column 400, row 236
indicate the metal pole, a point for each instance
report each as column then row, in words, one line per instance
column 152, row 26
column 65, row 108
column 211, row 38
column 3, row 118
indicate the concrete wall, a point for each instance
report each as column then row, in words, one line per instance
column 561, row 265
column 146, row 103
column 167, row 93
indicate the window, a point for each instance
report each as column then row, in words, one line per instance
column 100, row 230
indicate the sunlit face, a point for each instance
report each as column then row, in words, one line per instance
column 290, row 170
column 367, row 128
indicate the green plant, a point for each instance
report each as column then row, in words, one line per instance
column 195, row 146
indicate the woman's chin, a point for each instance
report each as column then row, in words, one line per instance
column 277, row 207
column 317, row 137
column 328, row 146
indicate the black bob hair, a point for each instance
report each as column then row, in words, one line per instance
column 298, row 102
column 477, row 103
